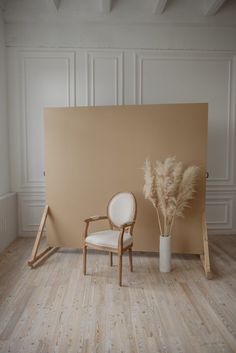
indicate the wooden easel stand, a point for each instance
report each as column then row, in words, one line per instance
column 36, row 258
column 205, row 259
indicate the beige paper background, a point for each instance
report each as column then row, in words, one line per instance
column 92, row 153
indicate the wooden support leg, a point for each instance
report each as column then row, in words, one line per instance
column 130, row 260
column 84, row 259
column 111, row 258
column 36, row 259
column 43, row 256
column 39, row 234
column 205, row 259
column 205, row 264
column 120, row 269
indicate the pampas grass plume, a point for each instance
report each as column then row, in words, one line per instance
column 169, row 188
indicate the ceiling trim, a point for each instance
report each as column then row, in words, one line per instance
column 105, row 6
column 3, row 5
column 211, row 7
column 56, row 3
column 159, row 6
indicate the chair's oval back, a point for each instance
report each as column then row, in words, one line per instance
column 122, row 208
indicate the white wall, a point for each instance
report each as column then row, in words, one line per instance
column 8, row 216
column 74, row 64
column 4, row 155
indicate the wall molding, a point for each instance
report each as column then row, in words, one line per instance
column 27, row 183
column 118, row 59
column 80, row 64
column 140, row 57
column 226, row 223
column 30, row 208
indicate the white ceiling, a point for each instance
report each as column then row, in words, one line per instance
column 177, row 12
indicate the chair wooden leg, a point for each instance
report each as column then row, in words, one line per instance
column 111, row 259
column 84, row 259
column 130, row 260
column 120, row 270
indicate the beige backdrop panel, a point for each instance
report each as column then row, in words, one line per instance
column 92, row 153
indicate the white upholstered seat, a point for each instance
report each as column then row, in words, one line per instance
column 108, row 238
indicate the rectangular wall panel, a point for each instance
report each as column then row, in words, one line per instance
column 190, row 78
column 47, row 81
column 219, row 213
column 105, row 78
column 31, row 208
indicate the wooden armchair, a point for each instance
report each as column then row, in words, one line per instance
column 121, row 214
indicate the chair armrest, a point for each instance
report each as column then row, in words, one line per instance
column 92, row 219
column 127, row 225
column 123, row 228
column 95, row 218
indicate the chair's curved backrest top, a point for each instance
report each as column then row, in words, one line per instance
column 122, row 208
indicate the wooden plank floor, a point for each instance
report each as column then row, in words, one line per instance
column 55, row 309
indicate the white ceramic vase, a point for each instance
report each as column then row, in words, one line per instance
column 165, row 254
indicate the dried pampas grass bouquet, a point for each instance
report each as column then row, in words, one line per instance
column 169, row 187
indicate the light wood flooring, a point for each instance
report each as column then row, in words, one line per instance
column 54, row 308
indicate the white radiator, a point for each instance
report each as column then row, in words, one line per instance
column 8, row 219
